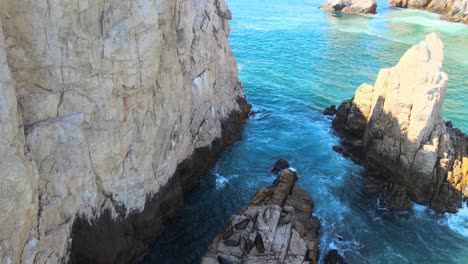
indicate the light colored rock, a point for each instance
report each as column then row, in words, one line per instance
column 283, row 218
column 351, row 6
column 406, row 140
column 99, row 103
column 451, row 10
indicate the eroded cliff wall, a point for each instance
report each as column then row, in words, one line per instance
column 100, row 103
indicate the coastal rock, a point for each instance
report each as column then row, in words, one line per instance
column 451, row 10
column 280, row 229
column 109, row 110
column 351, row 6
column 330, row 110
column 333, row 257
column 408, row 151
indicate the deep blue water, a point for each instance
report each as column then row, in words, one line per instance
column 294, row 60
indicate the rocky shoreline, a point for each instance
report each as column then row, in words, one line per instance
column 450, row 10
column 395, row 130
column 276, row 226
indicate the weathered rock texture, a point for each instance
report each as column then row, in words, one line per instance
column 396, row 128
column 451, row 10
column 351, row 6
column 108, row 110
column 277, row 226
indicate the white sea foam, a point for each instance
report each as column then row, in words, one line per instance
column 459, row 222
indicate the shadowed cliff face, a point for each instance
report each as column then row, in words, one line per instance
column 451, row 10
column 105, row 106
column 409, row 152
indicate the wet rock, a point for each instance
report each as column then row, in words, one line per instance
column 330, row 110
column 351, row 6
column 280, row 165
column 333, row 257
column 223, row 260
column 280, row 230
column 395, row 129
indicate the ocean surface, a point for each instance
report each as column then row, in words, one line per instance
column 295, row 60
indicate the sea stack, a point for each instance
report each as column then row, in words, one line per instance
column 451, row 10
column 395, row 129
column 109, row 110
column 276, row 226
column 351, row 6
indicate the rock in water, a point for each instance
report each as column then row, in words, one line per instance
column 451, row 10
column 351, row 6
column 408, row 151
column 280, row 165
column 270, row 240
column 330, row 110
column 333, row 257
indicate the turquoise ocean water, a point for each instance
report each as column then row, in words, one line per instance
column 294, row 60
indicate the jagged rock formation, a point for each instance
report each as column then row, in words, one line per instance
column 409, row 152
column 351, row 6
column 451, row 10
column 277, row 226
column 108, row 110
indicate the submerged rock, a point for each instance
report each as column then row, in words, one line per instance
column 281, row 228
column 396, row 130
column 351, row 6
column 451, row 10
column 333, row 257
column 330, row 110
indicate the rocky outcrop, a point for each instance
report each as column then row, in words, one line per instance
column 277, row 226
column 351, row 6
column 396, row 130
column 108, row 111
column 451, row 10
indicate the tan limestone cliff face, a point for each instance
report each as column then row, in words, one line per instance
column 105, row 98
column 451, row 10
column 405, row 138
column 351, row 6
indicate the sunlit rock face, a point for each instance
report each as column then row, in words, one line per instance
column 100, row 101
column 409, row 151
column 351, row 6
column 451, row 10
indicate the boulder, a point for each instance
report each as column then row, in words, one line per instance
column 276, row 226
column 351, row 6
column 407, row 148
column 330, row 110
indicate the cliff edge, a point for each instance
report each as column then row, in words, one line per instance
column 395, row 129
column 108, row 111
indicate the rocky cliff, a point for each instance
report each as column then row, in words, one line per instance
column 108, row 110
column 351, row 6
column 451, row 10
column 394, row 127
column 277, row 226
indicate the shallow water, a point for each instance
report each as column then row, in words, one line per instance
column 294, row 60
